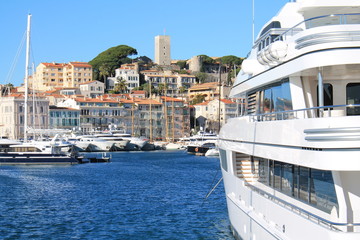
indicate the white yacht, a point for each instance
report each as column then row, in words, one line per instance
column 291, row 160
column 92, row 143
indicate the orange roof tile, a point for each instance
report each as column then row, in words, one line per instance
column 227, row 101
column 97, row 100
column 148, row 101
column 170, row 99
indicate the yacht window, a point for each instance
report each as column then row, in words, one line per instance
column 274, row 24
column 303, row 184
column 287, row 180
column 353, row 97
column 322, row 190
column 328, row 95
column 276, row 98
column 312, row 186
column 223, row 159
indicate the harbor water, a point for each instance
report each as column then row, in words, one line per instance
column 138, row 195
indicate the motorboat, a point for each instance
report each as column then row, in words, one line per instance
column 201, row 142
column 290, row 159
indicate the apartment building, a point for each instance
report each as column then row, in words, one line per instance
column 209, row 90
column 53, row 75
column 96, row 113
column 173, row 82
column 92, row 89
column 176, row 118
column 151, row 119
column 64, row 118
column 12, row 114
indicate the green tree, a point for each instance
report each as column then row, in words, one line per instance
column 120, row 86
column 112, row 58
column 231, row 60
column 206, row 59
column 162, row 87
column 199, row 98
column 104, row 71
column 181, row 64
column 201, row 77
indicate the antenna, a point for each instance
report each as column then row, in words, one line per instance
column 253, row 21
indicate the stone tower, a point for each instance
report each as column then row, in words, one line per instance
column 162, row 50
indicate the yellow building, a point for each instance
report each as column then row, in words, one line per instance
column 54, row 75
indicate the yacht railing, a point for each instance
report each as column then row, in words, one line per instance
column 319, row 220
column 315, row 112
column 326, row 20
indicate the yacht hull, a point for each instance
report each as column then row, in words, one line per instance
column 28, row 158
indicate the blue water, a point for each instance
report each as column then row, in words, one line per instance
column 139, row 195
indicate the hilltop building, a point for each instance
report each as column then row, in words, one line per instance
column 162, row 50
column 128, row 73
column 173, row 82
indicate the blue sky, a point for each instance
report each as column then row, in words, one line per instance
column 78, row 30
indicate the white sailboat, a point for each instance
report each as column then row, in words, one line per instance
column 291, row 162
column 33, row 153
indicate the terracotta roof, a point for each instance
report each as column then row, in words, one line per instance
column 170, row 99
column 138, row 92
column 54, row 64
column 204, row 86
column 56, row 95
column 202, row 104
column 105, row 100
column 227, row 101
column 162, row 75
column 81, row 64
column 126, row 101
column 148, row 101
column 89, row 82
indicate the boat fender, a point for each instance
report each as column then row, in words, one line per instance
column 196, row 149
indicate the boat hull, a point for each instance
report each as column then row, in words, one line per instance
column 36, row 159
column 197, row 150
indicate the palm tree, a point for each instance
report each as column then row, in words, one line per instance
column 162, row 87
column 120, row 85
column 105, row 71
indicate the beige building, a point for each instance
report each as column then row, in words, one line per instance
column 209, row 90
column 92, row 89
column 174, row 82
column 12, row 115
column 162, row 50
column 54, row 75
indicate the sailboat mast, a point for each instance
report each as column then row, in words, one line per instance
column 27, row 76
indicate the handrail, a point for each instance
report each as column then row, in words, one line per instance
column 300, row 211
column 314, row 112
column 342, row 21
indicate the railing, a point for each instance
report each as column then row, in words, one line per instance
column 319, row 220
column 326, row 20
column 315, row 112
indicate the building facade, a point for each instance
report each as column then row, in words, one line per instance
column 12, row 115
column 54, row 75
column 64, row 118
column 172, row 82
column 92, row 89
column 129, row 73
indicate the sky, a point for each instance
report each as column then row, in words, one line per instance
column 78, row 30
